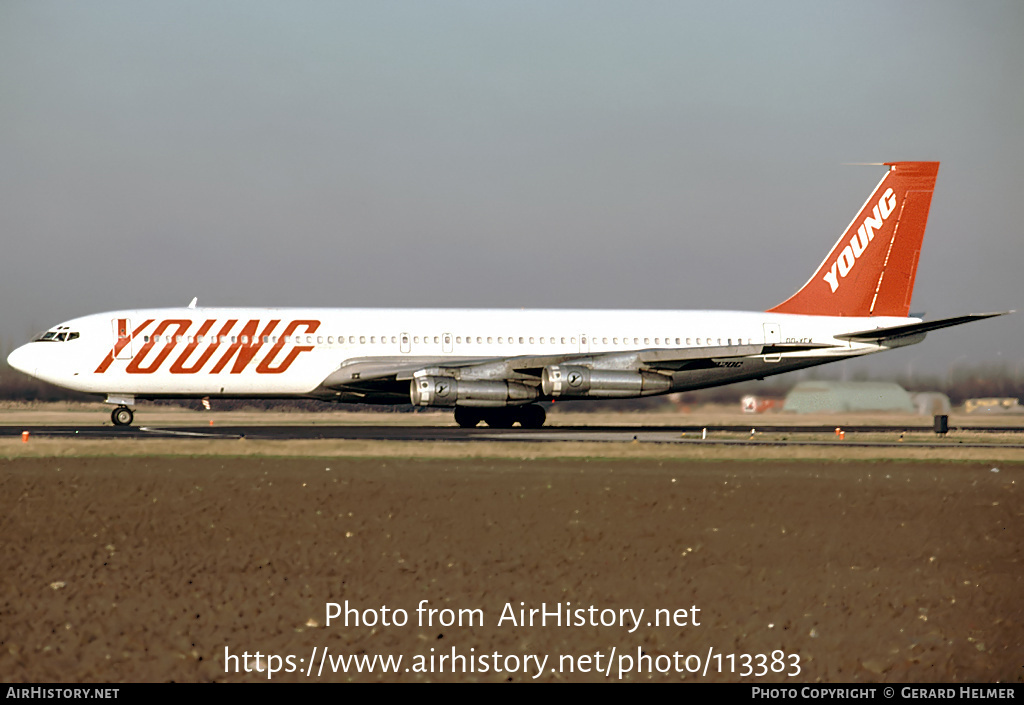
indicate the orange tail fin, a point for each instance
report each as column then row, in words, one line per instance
column 870, row 271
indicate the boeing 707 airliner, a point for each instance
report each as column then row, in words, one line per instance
column 495, row 365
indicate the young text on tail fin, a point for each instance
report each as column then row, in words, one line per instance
column 870, row 271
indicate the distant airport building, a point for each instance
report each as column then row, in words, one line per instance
column 824, row 396
column 993, row 405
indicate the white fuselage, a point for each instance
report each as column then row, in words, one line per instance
column 289, row 352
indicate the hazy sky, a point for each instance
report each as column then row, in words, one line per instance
column 537, row 154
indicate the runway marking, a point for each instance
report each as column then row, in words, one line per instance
column 187, row 433
column 662, row 437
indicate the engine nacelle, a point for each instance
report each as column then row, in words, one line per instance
column 577, row 381
column 431, row 390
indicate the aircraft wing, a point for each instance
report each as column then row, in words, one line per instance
column 392, row 374
column 878, row 334
column 668, row 359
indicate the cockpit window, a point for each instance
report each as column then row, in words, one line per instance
column 59, row 335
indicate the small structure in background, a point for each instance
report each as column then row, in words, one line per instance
column 758, row 405
column 824, row 396
column 932, row 403
column 993, row 405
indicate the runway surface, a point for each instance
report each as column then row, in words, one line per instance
column 767, row 435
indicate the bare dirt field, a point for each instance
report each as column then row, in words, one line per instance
column 175, row 566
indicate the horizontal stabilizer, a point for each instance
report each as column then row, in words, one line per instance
column 916, row 328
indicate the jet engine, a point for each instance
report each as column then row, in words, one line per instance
column 447, row 391
column 578, row 381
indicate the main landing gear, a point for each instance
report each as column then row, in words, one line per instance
column 122, row 416
column 528, row 416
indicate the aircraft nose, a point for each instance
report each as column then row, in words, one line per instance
column 21, row 360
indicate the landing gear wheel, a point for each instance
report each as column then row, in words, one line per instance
column 466, row 417
column 532, row 416
column 500, row 418
column 122, row 416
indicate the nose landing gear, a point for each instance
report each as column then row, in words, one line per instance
column 122, row 416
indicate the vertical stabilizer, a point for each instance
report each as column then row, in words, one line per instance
column 870, row 270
